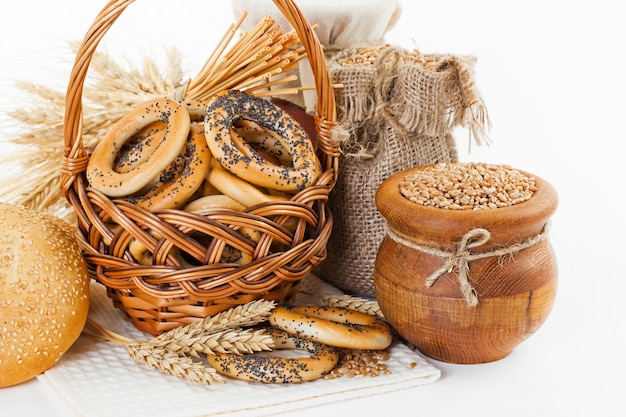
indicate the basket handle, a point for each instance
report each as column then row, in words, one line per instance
column 75, row 156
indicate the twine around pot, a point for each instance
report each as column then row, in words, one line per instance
column 463, row 255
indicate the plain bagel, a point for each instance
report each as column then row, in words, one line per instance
column 44, row 292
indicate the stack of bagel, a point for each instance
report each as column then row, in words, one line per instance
column 321, row 330
column 234, row 151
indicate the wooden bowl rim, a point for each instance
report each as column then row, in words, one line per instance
column 536, row 210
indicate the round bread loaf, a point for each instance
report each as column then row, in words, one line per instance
column 44, row 292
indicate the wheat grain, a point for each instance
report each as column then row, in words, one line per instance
column 360, row 362
column 468, row 186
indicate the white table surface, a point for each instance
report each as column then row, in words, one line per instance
column 550, row 72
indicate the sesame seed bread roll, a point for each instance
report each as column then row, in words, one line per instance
column 44, row 292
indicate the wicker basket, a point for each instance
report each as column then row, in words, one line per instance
column 164, row 294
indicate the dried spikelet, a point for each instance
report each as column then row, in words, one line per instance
column 170, row 362
column 244, row 315
column 353, row 303
column 235, row 341
column 109, row 92
column 113, row 90
column 171, row 351
column 33, row 149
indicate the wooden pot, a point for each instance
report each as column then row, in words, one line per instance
column 515, row 292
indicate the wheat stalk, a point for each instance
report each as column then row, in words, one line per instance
column 170, row 362
column 244, row 315
column 172, row 351
column 236, row 341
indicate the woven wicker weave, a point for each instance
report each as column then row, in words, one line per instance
column 164, row 294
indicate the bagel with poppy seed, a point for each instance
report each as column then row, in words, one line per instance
column 225, row 109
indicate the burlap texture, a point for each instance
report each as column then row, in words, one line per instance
column 395, row 114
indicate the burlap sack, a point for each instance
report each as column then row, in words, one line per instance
column 397, row 110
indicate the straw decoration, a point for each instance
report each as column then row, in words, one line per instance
column 258, row 55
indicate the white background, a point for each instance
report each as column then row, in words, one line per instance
column 551, row 73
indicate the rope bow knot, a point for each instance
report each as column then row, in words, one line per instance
column 460, row 259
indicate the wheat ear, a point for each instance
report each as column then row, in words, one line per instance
column 244, row 315
column 170, row 362
column 171, row 351
column 353, row 303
